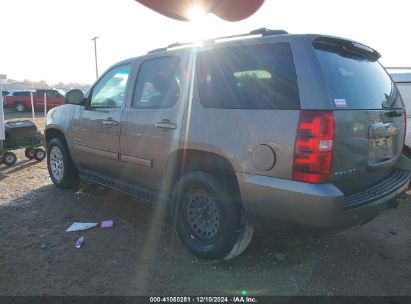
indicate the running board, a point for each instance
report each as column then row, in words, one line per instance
column 125, row 188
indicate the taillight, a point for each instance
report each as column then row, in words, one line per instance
column 314, row 145
column 405, row 127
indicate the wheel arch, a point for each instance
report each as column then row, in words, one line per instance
column 182, row 161
column 51, row 133
column 70, row 173
column 17, row 102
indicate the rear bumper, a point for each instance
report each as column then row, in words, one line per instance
column 317, row 205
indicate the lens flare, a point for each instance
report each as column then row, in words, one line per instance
column 196, row 13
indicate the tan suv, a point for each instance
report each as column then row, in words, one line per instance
column 306, row 129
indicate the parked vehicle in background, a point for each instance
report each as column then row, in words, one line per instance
column 3, row 94
column 306, row 129
column 16, row 93
column 21, row 100
column 403, row 81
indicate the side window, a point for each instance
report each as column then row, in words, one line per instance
column 158, row 84
column 109, row 92
column 52, row 93
column 260, row 76
column 40, row 92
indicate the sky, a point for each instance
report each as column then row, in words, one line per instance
column 51, row 39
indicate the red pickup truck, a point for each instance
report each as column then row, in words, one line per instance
column 21, row 100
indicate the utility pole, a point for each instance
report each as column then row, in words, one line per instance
column 95, row 53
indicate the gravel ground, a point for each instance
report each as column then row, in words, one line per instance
column 140, row 255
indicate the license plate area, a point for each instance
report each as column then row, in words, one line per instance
column 380, row 150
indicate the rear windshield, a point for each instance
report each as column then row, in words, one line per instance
column 357, row 83
column 248, row 77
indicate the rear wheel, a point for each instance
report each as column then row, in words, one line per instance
column 29, row 153
column 39, row 154
column 20, row 107
column 406, row 151
column 209, row 223
column 61, row 167
column 9, row 158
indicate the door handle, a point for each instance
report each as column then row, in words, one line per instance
column 165, row 125
column 109, row 122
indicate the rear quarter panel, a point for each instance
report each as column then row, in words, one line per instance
column 12, row 100
column 235, row 133
column 8, row 101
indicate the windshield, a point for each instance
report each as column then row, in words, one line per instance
column 357, row 83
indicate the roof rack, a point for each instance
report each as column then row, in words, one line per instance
column 261, row 31
column 398, row 68
column 170, row 46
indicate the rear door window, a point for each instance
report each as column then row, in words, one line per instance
column 248, row 77
column 158, row 84
column 357, row 82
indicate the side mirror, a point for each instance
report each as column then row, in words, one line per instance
column 74, row 97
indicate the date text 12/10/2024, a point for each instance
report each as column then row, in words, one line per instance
column 204, row 299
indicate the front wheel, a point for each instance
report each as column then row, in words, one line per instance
column 62, row 170
column 208, row 221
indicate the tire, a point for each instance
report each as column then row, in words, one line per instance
column 62, row 170
column 39, row 154
column 29, row 153
column 406, row 151
column 207, row 220
column 20, row 107
column 9, row 158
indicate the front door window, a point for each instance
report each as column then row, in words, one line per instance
column 109, row 92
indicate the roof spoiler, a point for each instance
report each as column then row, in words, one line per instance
column 346, row 46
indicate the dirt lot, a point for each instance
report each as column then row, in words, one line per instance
column 141, row 255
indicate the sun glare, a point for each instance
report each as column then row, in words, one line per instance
column 200, row 23
column 196, row 13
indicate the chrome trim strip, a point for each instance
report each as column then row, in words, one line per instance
column 137, row 160
column 96, row 151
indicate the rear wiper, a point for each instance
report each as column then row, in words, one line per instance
column 394, row 113
column 384, row 105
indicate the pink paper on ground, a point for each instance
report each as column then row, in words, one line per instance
column 107, row 224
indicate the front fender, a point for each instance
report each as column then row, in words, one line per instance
column 60, row 119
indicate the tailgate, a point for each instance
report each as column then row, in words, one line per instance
column 369, row 114
column 366, row 147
